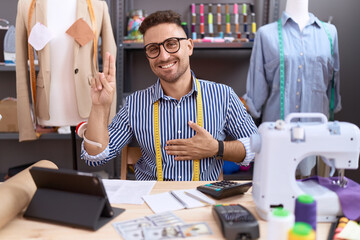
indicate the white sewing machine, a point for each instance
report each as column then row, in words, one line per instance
column 281, row 145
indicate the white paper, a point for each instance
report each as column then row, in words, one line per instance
column 125, row 191
column 199, row 196
column 171, row 201
column 40, row 35
column 186, row 200
column 162, row 202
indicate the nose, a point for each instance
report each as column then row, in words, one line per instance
column 163, row 53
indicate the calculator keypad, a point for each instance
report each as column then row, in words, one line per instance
column 224, row 188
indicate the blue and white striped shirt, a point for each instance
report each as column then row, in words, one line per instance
column 309, row 67
column 224, row 114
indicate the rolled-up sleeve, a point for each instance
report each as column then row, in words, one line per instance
column 96, row 160
column 120, row 134
column 336, row 60
column 249, row 155
column 241, row 126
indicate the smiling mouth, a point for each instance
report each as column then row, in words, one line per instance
column 168, row 65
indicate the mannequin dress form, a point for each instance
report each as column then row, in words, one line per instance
column 298, row 10
column 64, row 35
column 63, row 108
column 311, row 61
column 62, row 105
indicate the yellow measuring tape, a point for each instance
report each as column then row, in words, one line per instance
column 31, row 57
column 93, row 22
column 157, row 142
column 200, row 122
column 200, row 119
column 31, row 50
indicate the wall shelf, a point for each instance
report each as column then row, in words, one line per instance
column 45, row 136
column 12, row 68
column 197, row 45
column 7, row 68
column 222, row 46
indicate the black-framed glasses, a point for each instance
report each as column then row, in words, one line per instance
column 171, row 45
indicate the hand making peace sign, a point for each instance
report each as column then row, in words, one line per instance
column 103, row 85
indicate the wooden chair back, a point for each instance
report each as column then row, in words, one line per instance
column 129, row 156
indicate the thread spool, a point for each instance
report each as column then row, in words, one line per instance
column 301, row 231
column 194, row 36
column 193, row 28
column 305, row 210
column 279, row 224
column 185, row 27
column 298, row 133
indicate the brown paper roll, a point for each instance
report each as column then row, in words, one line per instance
column 17, row 192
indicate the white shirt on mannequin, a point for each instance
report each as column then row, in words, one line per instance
column 63, row 108
column 298, row 10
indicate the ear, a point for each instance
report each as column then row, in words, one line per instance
column 190, row 46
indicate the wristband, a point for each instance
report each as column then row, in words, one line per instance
column 220, row 153
column 80, row 131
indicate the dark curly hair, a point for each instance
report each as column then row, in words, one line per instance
column 156, row 18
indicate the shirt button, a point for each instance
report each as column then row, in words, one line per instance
column 179, row 131
column 178, row 106
column 299, row 80
column 297, row 106
column 76, row 70
column 300, row 66
column 179, row 177
column 297, row 93
column 301, row 54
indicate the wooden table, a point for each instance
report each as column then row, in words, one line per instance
column 21, row 228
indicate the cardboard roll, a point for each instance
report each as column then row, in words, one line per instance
column 17, row 191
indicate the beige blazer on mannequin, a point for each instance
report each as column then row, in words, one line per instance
column 84, row 68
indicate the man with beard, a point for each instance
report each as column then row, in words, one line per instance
column 180, row 122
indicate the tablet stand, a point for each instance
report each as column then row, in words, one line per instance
column 70, row 208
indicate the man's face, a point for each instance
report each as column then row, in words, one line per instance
column 169, row 66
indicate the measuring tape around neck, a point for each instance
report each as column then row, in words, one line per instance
column 332, row 101
column 282, row 68
column 31, row 49
column 200, row 120
column 282, row 71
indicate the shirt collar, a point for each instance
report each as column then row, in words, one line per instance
column 159, row 92
column 285, row 18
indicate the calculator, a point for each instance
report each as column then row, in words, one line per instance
column 223, row 189
column 236, row 222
